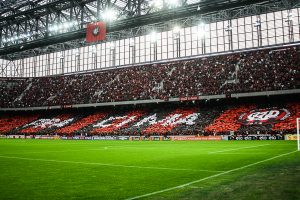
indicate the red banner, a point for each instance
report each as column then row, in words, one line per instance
column 95, row 32
column 192, row 98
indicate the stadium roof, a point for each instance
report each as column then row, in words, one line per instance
column 25, row 25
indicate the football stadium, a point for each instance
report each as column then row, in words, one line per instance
column 149, row 99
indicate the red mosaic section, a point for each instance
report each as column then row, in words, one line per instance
column 290, row 122
column 12, row 122
column 86, row 121
column 228, row 120
column 47, row 123
column 169, row 122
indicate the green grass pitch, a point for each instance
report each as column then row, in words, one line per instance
column 57, row 169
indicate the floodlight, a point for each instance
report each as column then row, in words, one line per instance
column 109, row 15
column 202, row 25
column 67, row 25
column 60, row 27
column 158, row 4
column 54, row 28
column 173, row 3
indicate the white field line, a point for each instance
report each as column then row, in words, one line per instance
column 33, row 152
column 250, row 153
column 226, row 150
column 98, row 149
column 62, row 151
column 108, row 165
column 209, row 177
column 195, row 187
column 128, row 146
column 117, row 148
column 74, row 150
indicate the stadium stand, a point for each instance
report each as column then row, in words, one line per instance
column 227, row 120
column 45, row 125
column 261, row 70
column 81, row 124
column 10, row 122
column 173, row 119
column 289, row 123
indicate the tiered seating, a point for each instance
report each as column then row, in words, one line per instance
column 228, row 121
column 234, row 73
column 11, row 89
column 81, row 123
column 205, row 117
column 179, row 116
column 289, row 123
column 112, row 124
column 46, row 125
column 8, row 123
column 160, row 120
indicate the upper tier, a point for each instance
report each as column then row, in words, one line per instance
column 261, row 70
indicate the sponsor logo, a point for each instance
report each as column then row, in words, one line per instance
column 290, row 137
column 135, row 137
column 255, row 137
column 155, row 138
column 104, row 137
column 123, row 138
column 196, row 138
column 264, row 116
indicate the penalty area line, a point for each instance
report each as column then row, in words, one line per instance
column 108, row 165
column 209, row 177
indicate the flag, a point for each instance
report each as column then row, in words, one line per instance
column 95, row 32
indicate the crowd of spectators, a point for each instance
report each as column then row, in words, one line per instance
column 11, row 90
column 171, row 119
column 261, row 70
